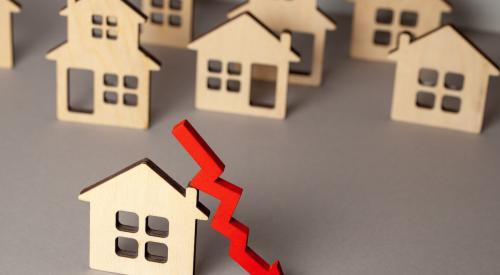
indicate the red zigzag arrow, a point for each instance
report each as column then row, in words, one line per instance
column 208, row 180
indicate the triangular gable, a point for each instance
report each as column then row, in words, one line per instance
column 123, row 5
column 442, row 5
column 446, row 33
column 252, row 32
column 11, row 6
column 297, row 9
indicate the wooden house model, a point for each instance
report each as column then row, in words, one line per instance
column 227, row 58
column 7, row 8
column 378, row 23
column 170, row 22
column 103, row 45
column 441, row 80
column 142, row 222
column 303, row 19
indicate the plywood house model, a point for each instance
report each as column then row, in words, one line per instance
column 103, row 65
column 7, row 8
column 142, row 222
column 170, row 22
column 441, row 80
column 309, row 26
column 378, row 23
column 227, row 58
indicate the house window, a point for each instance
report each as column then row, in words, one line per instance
column 157, row 226
column 125, row 86
column 453, row 82
column 104, row 26
column 409, row 19
column 127, row 221
column 162, row 14
column 126, row 247
column 382, row 38
column 384, row 16
column 217, row 75
column 156, row 252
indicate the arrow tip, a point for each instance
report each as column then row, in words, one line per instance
column 276, row 269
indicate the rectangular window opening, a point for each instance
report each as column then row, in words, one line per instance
column 263, row 93
column 175, row 4
column 81, row 91
column 304, row 44
column 110, row 97
column 213, row 83
column 214, row 66
column 451, row 104
column 425, row 100
column 157, row 18
column 384, row 16
column 233, row 86
column 175, row 21
column 428, row 77
column 409, row 19
column 157, row 226
column 454, row 81
column 157, row 3
column 130, row 100
column 156, row 252
column 126, row 247
column 382, row 38
column 127, row 221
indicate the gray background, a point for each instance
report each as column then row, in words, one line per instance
column 337, row 188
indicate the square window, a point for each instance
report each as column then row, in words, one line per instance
column 428, row 77
column 213, row 83
column 111, row 80
column 426, row 100
column 130, row 99
column 214, row 66
column 234, row 68
column 96, row 33
column 157, row 226
column 385, row 16
column 382, row 38
column 156, row 252
column 454, row 81
column 131, row 82
column 112, row 34
column 127, row 221
column 157, row 18
column 175, row 20
column 96, row 19
column 157, row 3
column 409, row 19
column 451, row 104
column 233, row 86
column 112, row 21
column 110, row 97
column 175, row 4
column 126, row 247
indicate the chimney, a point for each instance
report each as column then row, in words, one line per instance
column 405, row 39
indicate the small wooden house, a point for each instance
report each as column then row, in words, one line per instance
column 227, row 58
column 441, row 80
column 7, row 8
column 378, row 23
column 142, row 222
column 304, row 20
column 170, row 22
column 103, row 48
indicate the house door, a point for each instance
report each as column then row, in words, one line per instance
column 80, row 91
column 263, row 92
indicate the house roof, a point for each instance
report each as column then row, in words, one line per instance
column 244, row 31
column 12, row 6
column 303, row 12
column 443, row 5
column 454, row 41
column 202, row 210
column 131, row 11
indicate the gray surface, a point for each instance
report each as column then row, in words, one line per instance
column 337, row 188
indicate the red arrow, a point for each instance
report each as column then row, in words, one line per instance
column 208, row 180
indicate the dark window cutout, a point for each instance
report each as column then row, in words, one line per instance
column 110, row 97
column 126, row 247
column 81, row 91
column 157, row 226
column 428, row 77
column 263, row 93
column 175, row 4
column 156, row 252
column 234, row 68
column 214, row 66
column 112, row 34
column 425, row 100
column 409, row 19
column 131, row 82
column 130, row 100
column 157, row 3
column 214, row 83
column 382, row 38
column 175, row 20
column 111, row 80
column 97, row 19
column 385, row 16
column 157, row 18
column 451, row 104
column 454, row 81
column 127, row 221
column 112, row 21
column 96, row 33
column 304, row 44
column 233, row 86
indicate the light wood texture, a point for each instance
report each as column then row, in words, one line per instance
column 103, row 37
column 170, row 22
column 145, row 190
column 450, row 102
column 365, row 26
column 244, row 41
column 7, row 8
column 298, row 16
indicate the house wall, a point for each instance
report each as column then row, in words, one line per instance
column 6, row 51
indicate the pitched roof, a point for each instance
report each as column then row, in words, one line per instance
column 124, row 5
column 434, row 39
column 12, row 6
column 444, row 5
